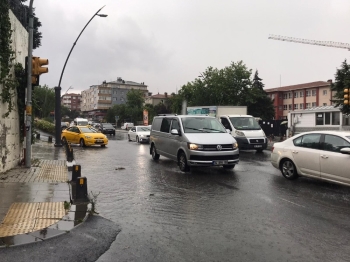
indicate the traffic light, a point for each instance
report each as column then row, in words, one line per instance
column 38, row 69
column 346, row 96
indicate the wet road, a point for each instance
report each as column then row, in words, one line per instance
column 249, row 214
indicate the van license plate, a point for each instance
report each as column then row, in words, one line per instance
column 221, row 162
column 257, row 146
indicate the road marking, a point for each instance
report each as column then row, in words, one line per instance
column 291, row 202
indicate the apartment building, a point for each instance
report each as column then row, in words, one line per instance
column 99, row 98
column 301, row 96
column 72, row 101
column 157, row 99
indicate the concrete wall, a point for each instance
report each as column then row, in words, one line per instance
column 11, row 150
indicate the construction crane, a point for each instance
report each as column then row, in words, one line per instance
column 310, row 42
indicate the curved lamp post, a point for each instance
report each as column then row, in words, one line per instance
column 58, row 88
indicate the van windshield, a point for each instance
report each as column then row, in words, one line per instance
column 83, row 123
column 202, row 125
column 245, row 123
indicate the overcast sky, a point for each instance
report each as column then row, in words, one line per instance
column 167, row 43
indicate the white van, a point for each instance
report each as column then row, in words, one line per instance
column 80, row 121
column 246, row 130
column 193, row 140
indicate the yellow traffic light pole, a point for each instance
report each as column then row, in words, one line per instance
column 28, row 124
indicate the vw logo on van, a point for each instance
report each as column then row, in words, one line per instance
column 219, row 147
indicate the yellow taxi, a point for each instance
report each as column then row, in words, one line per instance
column 83, row 135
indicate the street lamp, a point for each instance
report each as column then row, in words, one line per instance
column 58, row 88
column 68, row 90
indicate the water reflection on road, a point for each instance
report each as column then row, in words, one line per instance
column 250, row 213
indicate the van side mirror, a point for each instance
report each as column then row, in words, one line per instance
column 174, row 132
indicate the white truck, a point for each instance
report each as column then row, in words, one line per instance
column 244, row 128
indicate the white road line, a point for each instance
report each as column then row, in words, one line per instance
column 291, row 202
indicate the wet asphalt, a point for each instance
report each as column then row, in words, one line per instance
column 250, row 213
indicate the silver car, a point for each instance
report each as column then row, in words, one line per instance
column 193, row 141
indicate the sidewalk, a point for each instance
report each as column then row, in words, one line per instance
column 35, row 202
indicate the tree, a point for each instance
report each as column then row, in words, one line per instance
column 260, row 105
column 175, row 103
column 342, row 81
column 43, row 101
column 134, row 104
column 228, row 86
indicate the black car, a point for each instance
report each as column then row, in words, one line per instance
column 107, row 128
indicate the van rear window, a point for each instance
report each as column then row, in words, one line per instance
column 156, row 124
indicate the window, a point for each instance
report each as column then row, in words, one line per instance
column 313, row 104
column 324, row 92
column 295, row 106
column 284, row 107
column 225, row 123
column 165, row 125
column 308, row 105
column 311, row 141
column 280, row 108
column 334, row 143
column 290, row 107
column 290, row 95
column 296, row 95
column 335, row 118
column 327, row 118
column 175, row 125
column 313, row 92
column 324, row 104
column 272, row 97
column 319, row 119
column 301, row 93
column 285, row 96
column 156, row 124
column 301, row 106
column 307, row 92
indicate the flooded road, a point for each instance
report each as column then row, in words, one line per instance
column 250, row 213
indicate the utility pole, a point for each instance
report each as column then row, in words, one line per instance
column 28, row 124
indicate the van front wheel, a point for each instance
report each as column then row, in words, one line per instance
column 183, row 162
column 155, row 156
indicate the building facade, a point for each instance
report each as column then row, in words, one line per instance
column 299, row 97
column 157, row 99
column 72, row 101
column 96, row 100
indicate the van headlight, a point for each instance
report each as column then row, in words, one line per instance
column 239, row 133
column 194, row 146
column 235, row 145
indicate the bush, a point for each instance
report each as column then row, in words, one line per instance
column 44, row 126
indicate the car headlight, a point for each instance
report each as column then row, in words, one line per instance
column 194, row 146
column 141, row 135
column 88, row 137
column 239, row 133
column 235, row 145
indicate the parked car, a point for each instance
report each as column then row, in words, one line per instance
column 140, row 134
column 107, row 128
column 193, row 141
column 83, row 135
column 319, row 154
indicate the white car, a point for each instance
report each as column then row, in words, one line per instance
column 140, row 134
column 319, row 154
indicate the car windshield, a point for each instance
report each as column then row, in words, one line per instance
column 245, row 123
column 88, row 130
column 202, row 125
column 142, row 129
column 107, row 126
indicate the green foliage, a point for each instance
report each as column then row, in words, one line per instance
column 175, row 103
column 117, row 110
column 44, row 126
column 230, row 86
column 43, row 99
column 260, row 105
column 134, row 105
column 342, row 81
